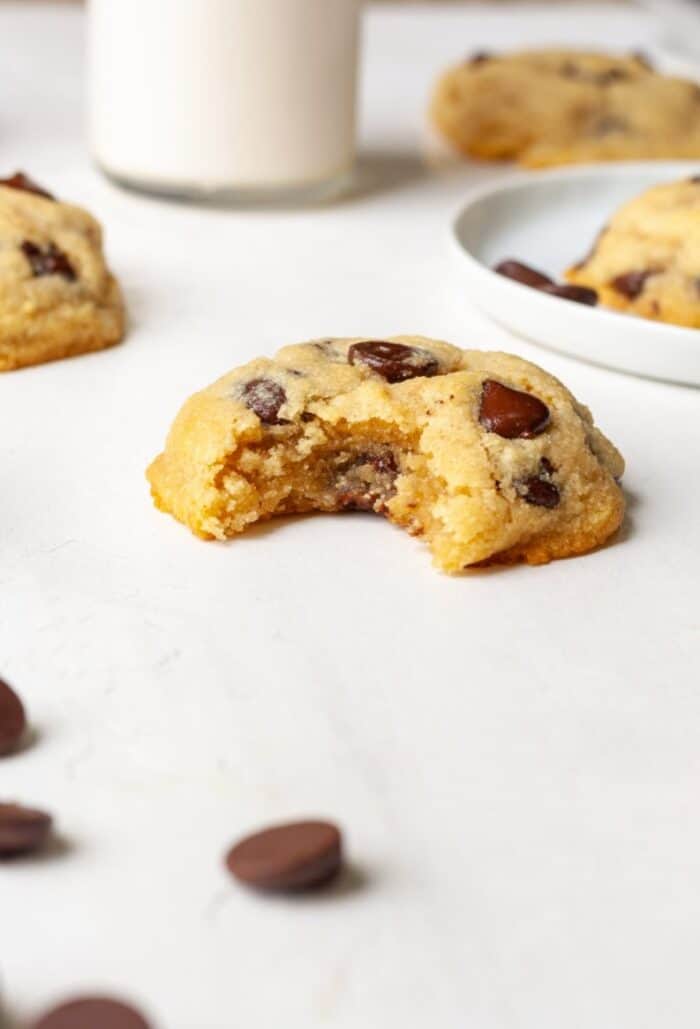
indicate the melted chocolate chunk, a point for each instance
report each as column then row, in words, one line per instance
column 288, row 858
column 48, row 260
column 579, row 294
column 632, row 284
column 367, row 481
column 265, row 398
column 395, row 362
column 524, row 274
column 539, row 490
column 22, row 182
column 511, row 413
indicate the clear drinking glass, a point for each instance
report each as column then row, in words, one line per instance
column 239, row 100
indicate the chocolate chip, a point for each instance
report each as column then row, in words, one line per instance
column 286, row 858
column 579, row 294
column 13, row 721
column 265, row 398
column 366, row 481
column 569, row 70
column 480, row 57
column 537, row 280
column 48, row 260
column 606, row 78
column 539, row 492
column 632, row 284
column 22, row 830
column 22, row 182
column 511, row 413
column 524, row 274
column 395, row 362
column 92, row 1013
column 695, row 178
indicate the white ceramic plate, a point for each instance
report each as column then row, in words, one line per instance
column 549, row 220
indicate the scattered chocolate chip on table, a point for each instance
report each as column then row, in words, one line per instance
column 288, row 858
column 92, row 1013
column 23, row 830
column 13, row 720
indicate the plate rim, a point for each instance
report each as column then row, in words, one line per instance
column 518, row 180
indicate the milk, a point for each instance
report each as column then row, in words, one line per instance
column 199, row 96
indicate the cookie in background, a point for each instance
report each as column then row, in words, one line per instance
column 552, row 107
column 58, row 298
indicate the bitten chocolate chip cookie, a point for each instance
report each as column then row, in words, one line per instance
column 485, row 456
column 647, row 260
column 554, row 107
column 57, row 297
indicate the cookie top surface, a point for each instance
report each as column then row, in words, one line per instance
column 555, row 107
column 646, row 261
column 49, row 251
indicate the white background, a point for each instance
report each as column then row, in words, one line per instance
column 514, row 754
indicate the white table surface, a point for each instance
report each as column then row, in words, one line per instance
column 513, row 754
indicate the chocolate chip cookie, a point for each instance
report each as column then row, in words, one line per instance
column 485, row 456
column 553, row 107
column 57, row 297
column 647, row 260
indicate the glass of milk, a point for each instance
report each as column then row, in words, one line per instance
column 241, row 100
